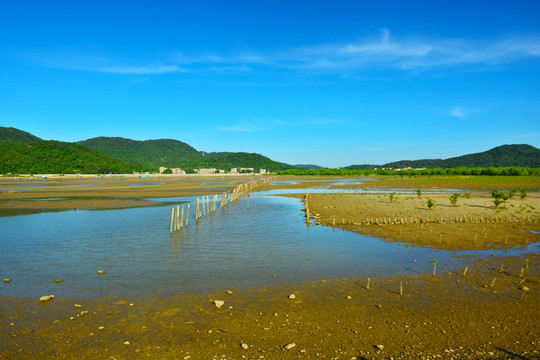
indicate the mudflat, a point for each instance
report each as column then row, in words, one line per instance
column 486, row 309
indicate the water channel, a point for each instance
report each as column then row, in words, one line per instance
column 245, row 244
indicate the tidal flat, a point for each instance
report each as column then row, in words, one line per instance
column 360, row 269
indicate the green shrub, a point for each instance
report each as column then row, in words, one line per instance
column 419, row 193
column 454, row 198
column 430, row 203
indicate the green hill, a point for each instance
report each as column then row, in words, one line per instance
column 9, row 135
column 501, row 156
column 56, row 157
column 150, row 154
column 245, row 160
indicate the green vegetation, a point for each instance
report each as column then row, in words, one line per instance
column 501, row 156
column 499, row 197
column 491, row 171
column 430, row 203
column 454, row 198
column 55, row 157
column 169, row 153
column 523, row 194
column 419, row 193
column 392, row 196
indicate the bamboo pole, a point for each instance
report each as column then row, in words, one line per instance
column 182, row 219
column 177, row 227
column 204, row 206
column 197, row 209
column 172, row 220
column 187, row 216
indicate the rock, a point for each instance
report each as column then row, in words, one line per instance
column 7, row 280
column 229, row 292
column 245, row 346
column 46, row 298
column 290, row 346
column 218, row 303
column 101, row 327
column 126, row 343
column 349, row 297
column 292, row 296
column 379, row 347
column 58, row 281
column 101, row 272
column 78, row 306
column 525, row 288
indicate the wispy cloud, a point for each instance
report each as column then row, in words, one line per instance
column 458, row 112
column 384, row 51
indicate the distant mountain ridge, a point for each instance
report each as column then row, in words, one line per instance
column 500, row 156
column 22, row 152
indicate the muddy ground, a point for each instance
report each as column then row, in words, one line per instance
column 487, row 309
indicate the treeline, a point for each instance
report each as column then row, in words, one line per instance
column 490, row 171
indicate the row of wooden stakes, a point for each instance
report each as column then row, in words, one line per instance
column 405, row 220
column 208, row 204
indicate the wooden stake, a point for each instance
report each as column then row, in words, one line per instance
column 368, row 281
column 465, row 271
column 401, row 288
column 182, row 219
column 187, row 216
column 177, row 218
column 493, row 282
column 172, row 220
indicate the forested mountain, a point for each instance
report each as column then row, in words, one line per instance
column 9, row 135
column 150, row 154
column 56, row 157
column 501, row 156
column 170, row 153
column 22, row 152
column 244, row 160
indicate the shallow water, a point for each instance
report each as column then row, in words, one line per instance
column 244, row 244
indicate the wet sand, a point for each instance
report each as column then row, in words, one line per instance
column 487, row 312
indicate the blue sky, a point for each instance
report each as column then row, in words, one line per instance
column 332, row 83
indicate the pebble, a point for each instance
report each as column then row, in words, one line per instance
column 290, row 346
column 78, row 306
column 127, row 343
column 349, row 297
column 101, row 272
column 379, row 347
column 525, row 288
column 229, row 292
column 7, row 280
column 218, row 303
column 292, row 296
column 101, row 327
column 58, row 281
column 245, row 346
column 46, row 298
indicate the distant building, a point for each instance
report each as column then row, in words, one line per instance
column 175, row 171
column 242, row 170
column 205, row 171
column 262, row 171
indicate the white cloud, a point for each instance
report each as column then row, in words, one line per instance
column 458, row 112
column 384, row 51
